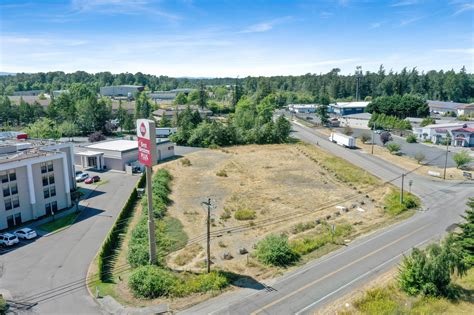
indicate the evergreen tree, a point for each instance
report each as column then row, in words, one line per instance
column 466, row 237
column 202, row 100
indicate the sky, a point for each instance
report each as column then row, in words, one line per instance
column 229, row 38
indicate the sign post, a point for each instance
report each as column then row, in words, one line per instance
column 146, row 134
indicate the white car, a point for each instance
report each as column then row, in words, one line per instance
column 8, row 239
column 26, row 234
column 82, row 177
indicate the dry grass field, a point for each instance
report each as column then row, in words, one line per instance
column 268, row 189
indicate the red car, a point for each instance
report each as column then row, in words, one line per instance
column 92, row 179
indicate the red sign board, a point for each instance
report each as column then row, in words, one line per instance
column 146, row 142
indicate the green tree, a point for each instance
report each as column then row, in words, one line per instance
column 68, row 129
column 121, row 115
column 180, row 99
column 236, row 93
column 43, row 128
column 143, row 106
column 429, row 271
column 275, row 250
column 282, row 129
column 466, row 237
column 427, row 121
column 322, row 112
column 129, row 122
column 411, row 138
column 202, row 100
column 420, row 157
column 165, row 122
column 25, row 113
column 462, row 158
column 92, row 114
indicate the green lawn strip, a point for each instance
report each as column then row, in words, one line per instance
column 59, row 224
column 393, row 206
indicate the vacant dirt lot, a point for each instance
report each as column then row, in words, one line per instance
column 274, row 187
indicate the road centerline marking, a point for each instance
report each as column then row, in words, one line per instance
column 336, row 271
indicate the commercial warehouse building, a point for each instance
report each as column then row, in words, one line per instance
column 117, row 154
column 120, row 90
column 348, row 108
column 444, row 108
column 36, row 178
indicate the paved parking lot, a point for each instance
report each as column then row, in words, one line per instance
column 52, row 267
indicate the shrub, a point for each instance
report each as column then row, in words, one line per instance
column 221, row 173
column 385, row 137
column 151, row 282
column 365, row 137
column 462, row 158
column 420, row 157
column 393, row 147
column 393, row 205
column 378, row 301
column 96, row 136
column 411, row 138
column 427, row 121
column 185, row 162
column 245, row 214
column 226, row 214
column 275, row 250
column 309, row 244
column 347, row 131
column 301, row 227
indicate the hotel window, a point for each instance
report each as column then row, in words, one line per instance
column 12, row 176
column 6, row 190
column 4, row 177
column 51, row 179
column 45, row 180
column 14, row 188
column 54, row 206
column 8, row 204
column 43, row 168
column 50, row 166
column 52, row 191
column 46, row 193
column 47, row 208
column 16, row 202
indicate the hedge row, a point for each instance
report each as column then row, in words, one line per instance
column 138, row 246
column 112, row 241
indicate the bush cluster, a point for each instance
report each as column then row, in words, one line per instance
column 275, row 250
column 138, row 246
column 393, row 205
column 152, row 282
column 308, row 244
column 245, row 214
column 411, row 138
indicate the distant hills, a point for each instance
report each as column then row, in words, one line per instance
column 7, row 73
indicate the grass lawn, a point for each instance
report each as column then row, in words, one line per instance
column 59, row 224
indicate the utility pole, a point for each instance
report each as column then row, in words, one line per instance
column 373, row 138
column 448, row 139
column 401, row 189
column 208, row 222
column 358, row 75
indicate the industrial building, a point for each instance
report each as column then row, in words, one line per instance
column 302, row 108
column 347, row 108
column 117, row 154
column 444, row 108
column 36, row 177
column 121, row 90
column 360, row 121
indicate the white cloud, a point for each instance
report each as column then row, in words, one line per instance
column 120, row 7
column 404, row 3
column 467, row 51
column 464, row 8
column 375, row 25
column 265, row 26
column 409, row 21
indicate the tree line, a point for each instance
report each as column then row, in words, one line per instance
column 457, row 86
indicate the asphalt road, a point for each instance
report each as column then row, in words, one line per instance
column 49, row 274
column 305, row 290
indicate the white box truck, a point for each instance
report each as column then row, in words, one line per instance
column 165, row 132
column 343, row 140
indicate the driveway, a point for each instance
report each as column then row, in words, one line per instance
column 49, row 274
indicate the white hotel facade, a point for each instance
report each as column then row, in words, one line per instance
column 36, row 180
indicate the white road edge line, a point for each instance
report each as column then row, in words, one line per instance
column 355, row 280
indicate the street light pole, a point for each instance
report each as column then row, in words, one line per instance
column 448, row 139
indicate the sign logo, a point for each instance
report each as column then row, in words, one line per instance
column 146, row 134
column 142, row 129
